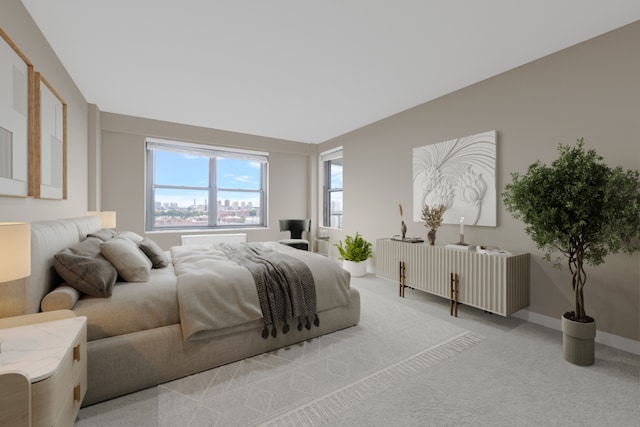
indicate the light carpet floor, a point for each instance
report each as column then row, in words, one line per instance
column 407, row 363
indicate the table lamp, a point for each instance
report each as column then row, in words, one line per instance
column 107, row 218
column 15, row 251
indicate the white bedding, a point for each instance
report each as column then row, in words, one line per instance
column 218, row 296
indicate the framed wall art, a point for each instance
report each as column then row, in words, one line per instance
column 460, row 174
column 16, row 89
column 49, row 165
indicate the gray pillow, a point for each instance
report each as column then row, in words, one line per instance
column 103, row 235
column 84, row 268
column 154, row 252
column 130, row 262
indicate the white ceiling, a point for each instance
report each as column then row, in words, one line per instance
column 302, row 70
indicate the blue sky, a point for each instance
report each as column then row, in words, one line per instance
column 191, row 171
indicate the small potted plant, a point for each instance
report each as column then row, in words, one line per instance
column 354, row 254
column 432, row 217
column 581, row 210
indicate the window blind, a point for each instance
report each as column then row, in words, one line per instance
column 207, row 150
column 334, row 154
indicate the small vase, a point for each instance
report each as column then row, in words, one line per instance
column 431, row 236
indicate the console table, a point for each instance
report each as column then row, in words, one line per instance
column 496, row 283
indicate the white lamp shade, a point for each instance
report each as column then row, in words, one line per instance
column 107, row 218
column 15, row 250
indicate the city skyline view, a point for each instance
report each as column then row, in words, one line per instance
column 185, row 182
column 182, row 190
column 188, row 170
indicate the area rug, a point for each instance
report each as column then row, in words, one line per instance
column 310, row 383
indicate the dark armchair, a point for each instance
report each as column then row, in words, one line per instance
column 296, row 227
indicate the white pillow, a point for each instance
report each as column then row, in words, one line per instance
column 134, row 237
column 130, row 262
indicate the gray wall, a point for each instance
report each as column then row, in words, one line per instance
column 591, row 90
column 123, row 181
column 17, row 23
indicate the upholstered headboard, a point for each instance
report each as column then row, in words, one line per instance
column 47, row 239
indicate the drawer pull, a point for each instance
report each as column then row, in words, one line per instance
column 76, row 353
column 76, row 393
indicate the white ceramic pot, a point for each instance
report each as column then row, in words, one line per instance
column 357, row 269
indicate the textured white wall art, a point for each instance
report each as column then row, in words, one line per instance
column 460, row 174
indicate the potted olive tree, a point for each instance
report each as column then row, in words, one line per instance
column 578, row 210
column 354, row 254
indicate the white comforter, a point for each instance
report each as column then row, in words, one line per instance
column 218, row 296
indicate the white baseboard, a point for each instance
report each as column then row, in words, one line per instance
column 615, row 341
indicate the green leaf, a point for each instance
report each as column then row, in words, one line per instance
column 355, row 249
column 577, row 208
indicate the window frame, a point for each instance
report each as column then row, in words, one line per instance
column 326, row 158
column 213, row 153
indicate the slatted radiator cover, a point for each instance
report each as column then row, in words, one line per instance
column 495, row 283
column 205, row 239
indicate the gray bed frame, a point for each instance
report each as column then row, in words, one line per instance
column 123, row 364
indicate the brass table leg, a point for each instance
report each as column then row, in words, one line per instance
column 402, row 279
column 453, row 300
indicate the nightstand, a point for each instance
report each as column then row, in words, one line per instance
column 43, row 369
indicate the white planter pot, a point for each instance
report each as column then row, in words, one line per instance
column 357, row 269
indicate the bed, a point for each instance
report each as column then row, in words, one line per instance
column 142, row 333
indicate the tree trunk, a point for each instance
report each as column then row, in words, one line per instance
column 578, row 281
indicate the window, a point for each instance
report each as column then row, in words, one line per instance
column 183, row 178
column 332, row 188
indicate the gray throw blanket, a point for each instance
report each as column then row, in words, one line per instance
column 285, row 286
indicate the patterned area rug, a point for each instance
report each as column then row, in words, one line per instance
column 311, row 383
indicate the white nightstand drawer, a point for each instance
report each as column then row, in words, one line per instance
column 44, row 357
column 71, row 406
column 49, row 396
